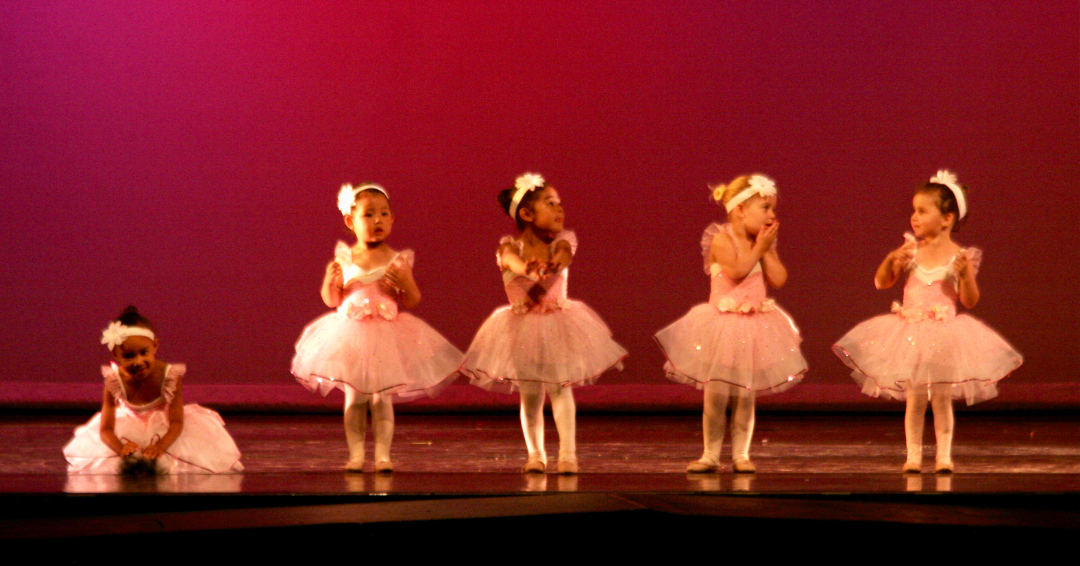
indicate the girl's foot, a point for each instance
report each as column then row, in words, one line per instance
column 912, row 467
column 384, row 467
column 702, row 467
column 355, row 466
column 567, row 467
column 743, row 466
column 534, row 467
column 943, row 467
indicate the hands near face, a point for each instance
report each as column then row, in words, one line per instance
column 766, row 238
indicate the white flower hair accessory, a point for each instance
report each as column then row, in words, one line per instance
column 116, row 333
column 346, row 197
column 527, row 182
column 948, row 178
column 759, row 185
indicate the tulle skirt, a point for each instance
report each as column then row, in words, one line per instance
column 404, row 357
column 204, row 446
column 570, row 346
column 754, row 353
column 889, row 356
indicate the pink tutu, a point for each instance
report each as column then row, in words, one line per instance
column 553, row 340
column 739, row 339
column 203, row 447
column 926, row 343
column 371, row 347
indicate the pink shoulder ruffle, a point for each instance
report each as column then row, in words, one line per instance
column 707, row 238
column 569, row 237
column 342, row 253
column 974, row 256
column 173, row 373
column 408, row 257
column 112, row 381
column 502, row 242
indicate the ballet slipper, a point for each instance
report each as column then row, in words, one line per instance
column 743, row 466
column 384, row 467
column 534, row 467
column 943, row 467
column 912, row 467
column 702, row 467
column 567, row 467
column 354, row 465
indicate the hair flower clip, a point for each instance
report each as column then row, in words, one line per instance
column 346, row 198
column 116, row 333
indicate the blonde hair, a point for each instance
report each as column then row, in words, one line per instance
column 723, row 194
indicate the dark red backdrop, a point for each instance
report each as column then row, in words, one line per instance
column 184, row 157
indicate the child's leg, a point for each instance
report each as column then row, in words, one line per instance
column 914, row 421
column 565, row 412
column 941, row 403
column 382, row 420
column 742, row 431
column 532, row 424
column 712, row 425
column 356, row 407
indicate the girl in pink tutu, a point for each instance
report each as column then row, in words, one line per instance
column 924, row 351
column 144, row 423
column 541, row 342
column 740, row 344
column 366, row 347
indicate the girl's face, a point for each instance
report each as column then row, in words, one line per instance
column 545, row 212
column 758, row 212
column 136, row 356
column 371, row 218
column 927, row 220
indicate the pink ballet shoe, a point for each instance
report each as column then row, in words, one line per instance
column 384, row 467
column 702, row 467
column 912, row 467
column 567, row 467
column 534, row 467
column 743, row 466
column 943, row 467
column 355, row 466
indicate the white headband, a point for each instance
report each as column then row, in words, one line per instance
column 116, row 333
column 346, row 197
column 759, row 185
column 948, row 178
column 524, row 184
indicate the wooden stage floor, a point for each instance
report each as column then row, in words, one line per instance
column 1016, row 474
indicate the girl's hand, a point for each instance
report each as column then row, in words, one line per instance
column 536, row 269
column 767, row 236
column 961, row 266
column 128, row 449
column 334, row 274
column 901, row 257
column 153, row 452
column 398, row 275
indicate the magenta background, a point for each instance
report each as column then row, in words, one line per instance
column 184, row 157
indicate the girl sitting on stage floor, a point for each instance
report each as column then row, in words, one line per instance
column 144, row 423
column 542, row 341
column 739, row 344
column 924, row 350
column 366, row 347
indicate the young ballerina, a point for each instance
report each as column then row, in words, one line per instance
column 541, row 342
column 740, row 344
column 144, row 424
column 924, row 350
column 367, row 348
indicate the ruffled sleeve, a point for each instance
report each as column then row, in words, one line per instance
column 407, row 257
column 707, row 238
column 343, row 254
column 112, row 381
column 974, row 257
column 502, row 242
column 173, row 373
column 567, row 236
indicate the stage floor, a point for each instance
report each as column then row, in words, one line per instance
column 1013, row 471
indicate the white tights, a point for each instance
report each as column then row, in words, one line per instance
column 915, row 418
column 714, row 419
column 382, row 420
column 532, row 419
